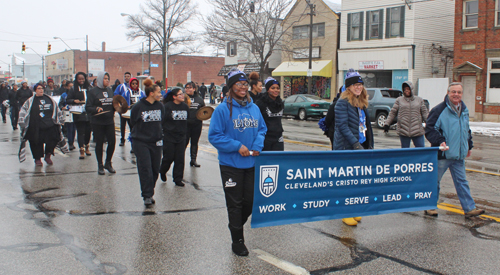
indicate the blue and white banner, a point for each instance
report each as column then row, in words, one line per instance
column 296, row 187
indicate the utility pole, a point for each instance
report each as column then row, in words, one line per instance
column 142, row 59
column 23, row 70
column 87, row 50
column 309, row 73
column 149, row 54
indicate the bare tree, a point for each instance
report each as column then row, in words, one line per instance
column 255, row 25
column 164, row 21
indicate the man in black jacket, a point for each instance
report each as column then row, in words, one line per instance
column 4, row 95
column 14, row 108
column 23, row 94
column 202, row 90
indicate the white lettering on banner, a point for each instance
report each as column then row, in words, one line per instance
column 400, row 179
column 394, row 197
column 383, row 169
column 357, row 200
column 306, row 185
column 316, row 204
column 423, row 195
column 350, row 171
column 272, row 208
column 309, row 173
column 413, row 168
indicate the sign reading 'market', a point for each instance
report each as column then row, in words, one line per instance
column 295, row 187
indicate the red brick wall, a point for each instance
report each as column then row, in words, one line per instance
column 484, row 37
column 203, row 68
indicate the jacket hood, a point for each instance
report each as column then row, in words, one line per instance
column 130, row 82
column 407, row 84
column 100, row 79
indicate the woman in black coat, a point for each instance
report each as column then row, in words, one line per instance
column 78, row 96
column 271, row 107
column 194, row 125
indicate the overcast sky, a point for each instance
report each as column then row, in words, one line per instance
column 36, row 22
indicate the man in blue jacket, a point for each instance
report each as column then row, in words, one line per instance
column 124, row 90
column 448, row 127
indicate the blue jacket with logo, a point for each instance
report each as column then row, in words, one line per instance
column 124, row 90
column 228, row 133
column 444, row 125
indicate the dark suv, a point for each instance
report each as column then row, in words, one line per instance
column 380, row 101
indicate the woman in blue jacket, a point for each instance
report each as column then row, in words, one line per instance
column 237, row 130
column 353, row 130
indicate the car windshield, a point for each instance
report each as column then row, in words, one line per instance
column 312, row 97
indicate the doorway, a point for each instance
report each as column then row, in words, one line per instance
column 469, row 96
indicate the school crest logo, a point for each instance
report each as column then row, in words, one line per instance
column 268, row 182
column 105, row 94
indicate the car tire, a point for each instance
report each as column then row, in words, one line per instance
column 302, row 114
column 380, row 120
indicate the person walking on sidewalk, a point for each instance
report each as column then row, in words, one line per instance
column 352, row 124
column 271, row 107
column 24, row 93
column 174, row 135
column 194, row 125
column 69, row 125
column 237, row 130
column 40, row 120
column 14, row 107
column 448, row 127
column 78, row 96
column 147, row 138
column 124, row 90
column 411, row 112
column 4, row 96
column 101, row 112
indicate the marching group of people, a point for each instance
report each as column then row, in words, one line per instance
column 247, row 122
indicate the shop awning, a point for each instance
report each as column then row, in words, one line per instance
column 319, row 68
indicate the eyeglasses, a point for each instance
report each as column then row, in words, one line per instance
column 239, row 85
column 39, row 87
column 179, row 94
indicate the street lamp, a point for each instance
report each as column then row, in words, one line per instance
column 55, row 37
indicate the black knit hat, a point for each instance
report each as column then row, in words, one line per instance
column 352, row 77
column 234, row 76
column 270, row 82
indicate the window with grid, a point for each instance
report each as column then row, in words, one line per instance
column 395, row 22
column 374, row 24
column 470, row 14
column 355, row 26
column 302, row 32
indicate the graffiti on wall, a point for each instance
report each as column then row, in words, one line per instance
column 298, row 85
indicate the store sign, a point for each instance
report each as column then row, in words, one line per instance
column 296, row 187
column 96, row 66
column 371, row 65
column 62, row 64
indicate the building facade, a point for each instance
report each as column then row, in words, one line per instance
column 295, row 52
column 390, row 42
column 181, row 68
column 26, row 67
column 477, row 56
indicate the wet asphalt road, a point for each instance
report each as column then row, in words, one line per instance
column 65, row 219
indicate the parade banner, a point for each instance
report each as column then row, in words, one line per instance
column 296, row 187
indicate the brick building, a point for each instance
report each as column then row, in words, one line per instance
column 477, row 56
column 65, row 65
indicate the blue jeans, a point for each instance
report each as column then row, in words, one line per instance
column 457, row 170
column 417, row 141
column 70, row 132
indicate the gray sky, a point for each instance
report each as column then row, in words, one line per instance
column 36, row 23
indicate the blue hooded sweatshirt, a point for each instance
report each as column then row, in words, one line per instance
column 245, row 127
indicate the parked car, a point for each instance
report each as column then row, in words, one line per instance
column 303, row 106
column 380, row 102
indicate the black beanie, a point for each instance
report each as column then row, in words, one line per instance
column 234, row 76
column 270, row 82
column 352, row 77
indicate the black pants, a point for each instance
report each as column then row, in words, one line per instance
column 193, row 134
column 50, row 137
column 123, row 124
column 101, row 132
column 83, row 129
column 4, row 112
column 239, row 197
column 274, row 144
column 148, row 156
column 173, row 152
column 14, row 116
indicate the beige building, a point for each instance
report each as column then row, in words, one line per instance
column 295, row 50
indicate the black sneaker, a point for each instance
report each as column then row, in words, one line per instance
column 122, row 143
column 179, row 183
column 72, row 147
column 108, row 167
column 100, row 170
column 149, row 201
column 239, row 248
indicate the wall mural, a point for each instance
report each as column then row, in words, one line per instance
column 298, row 85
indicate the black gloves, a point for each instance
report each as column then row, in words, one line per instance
column 386, row 128
column 357, row 146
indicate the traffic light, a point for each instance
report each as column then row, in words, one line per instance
column 49, row 48
column 23, row 50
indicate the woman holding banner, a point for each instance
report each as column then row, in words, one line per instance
column 237, row 131
column 352, row 125
column 76, row 101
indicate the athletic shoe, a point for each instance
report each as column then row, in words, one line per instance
column 179, row 183
column 149, row 201
column 38, row 162
column 432, row 213
column 473, row 213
